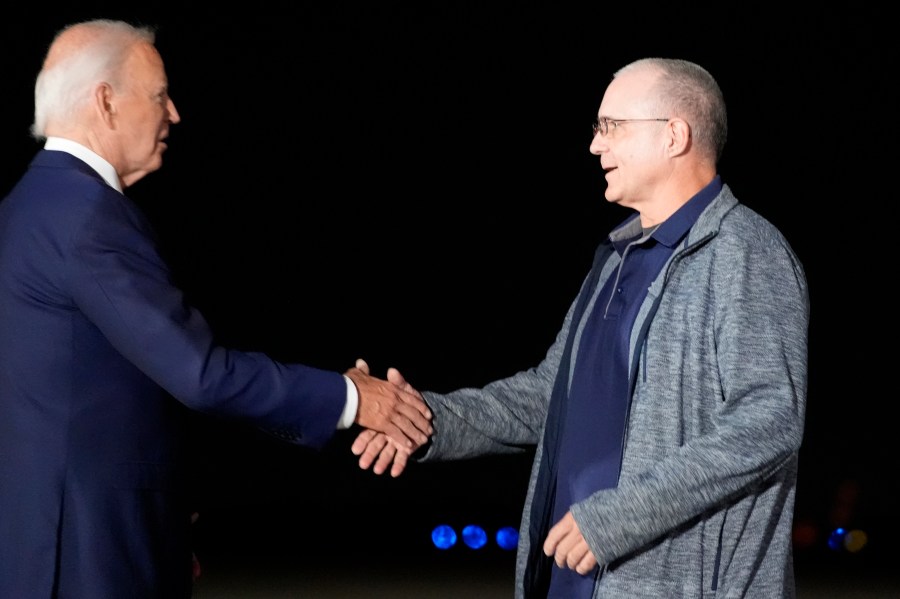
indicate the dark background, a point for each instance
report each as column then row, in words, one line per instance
column 411, row 184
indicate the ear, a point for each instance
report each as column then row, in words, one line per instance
column 105, row 104
column 679, row 136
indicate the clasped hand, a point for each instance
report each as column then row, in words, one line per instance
column 396, row 410
column 380, row 451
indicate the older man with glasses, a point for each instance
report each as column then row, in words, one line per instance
column 668, row 415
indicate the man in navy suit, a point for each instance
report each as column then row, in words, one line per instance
column 100, row 355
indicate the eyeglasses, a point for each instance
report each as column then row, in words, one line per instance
column 603, row 125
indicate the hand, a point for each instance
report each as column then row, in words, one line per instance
column 567, row 546
column 370, row 445
column 378, row 448
column 392, row 407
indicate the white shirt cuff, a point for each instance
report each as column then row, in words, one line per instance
column 348, row 416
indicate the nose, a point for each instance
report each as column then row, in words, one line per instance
column 598, row 145
column 174, row 117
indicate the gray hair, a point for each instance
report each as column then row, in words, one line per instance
column 689, row 91
column 65, row 83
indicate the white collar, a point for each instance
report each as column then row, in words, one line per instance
column 94, row 160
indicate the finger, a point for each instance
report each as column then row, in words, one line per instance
column 414, row 425
column 373, row 450
column 385, row 458
column 411, row 419
column 404, row 434
column 574, row 555
column 414, row 398
column 362, row 365
column 409, row 393
column 413, row 407
column 556, row 533
column 587, row 563
column 400, row 460
column 394, row 376
column 563, row 551
column 551, row 542
column 568, row 553
column 362, row 441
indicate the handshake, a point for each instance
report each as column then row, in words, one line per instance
column 395, row 418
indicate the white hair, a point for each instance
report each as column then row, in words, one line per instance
column 64, row 86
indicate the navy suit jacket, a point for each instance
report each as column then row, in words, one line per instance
column 99, row 358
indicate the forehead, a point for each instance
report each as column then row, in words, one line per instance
column 627, row 94
column 145, row 64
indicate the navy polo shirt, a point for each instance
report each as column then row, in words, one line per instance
column 593, row 435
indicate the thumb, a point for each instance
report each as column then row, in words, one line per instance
column 394, row 377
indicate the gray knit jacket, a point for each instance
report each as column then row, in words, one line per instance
column 704, row 505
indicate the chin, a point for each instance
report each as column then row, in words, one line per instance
column 154, row 165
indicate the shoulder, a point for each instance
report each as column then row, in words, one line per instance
column 744, row 230
column 735, row 227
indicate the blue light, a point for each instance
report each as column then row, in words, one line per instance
column 443, row 536
column 507, row 538
column 474, row 536
column 836, row 539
